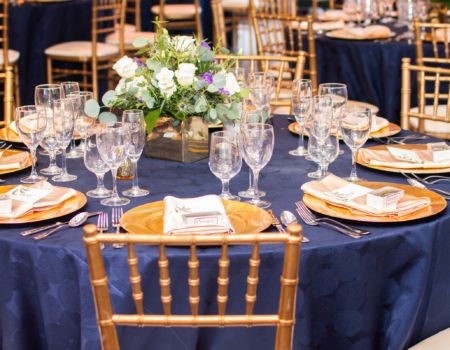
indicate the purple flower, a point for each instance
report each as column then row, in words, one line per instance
column 216, row 60
column 208, row 77
column 205, row 45
column 136, row 59
column 139, row 99
column 224, row 92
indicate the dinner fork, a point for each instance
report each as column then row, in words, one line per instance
column 311, row 222
column 415, row 183
column 4, row 145
column 425, row 179
column 308, row 212
column 116, row 215
column 102, row 225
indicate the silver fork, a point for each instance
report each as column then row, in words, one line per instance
column 311, row 222
column 102, row 225
column 316, row 219
column 116, row 215
column 425, row 179
column 4, row 145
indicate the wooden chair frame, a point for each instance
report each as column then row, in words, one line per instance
column 136, row 9
column 219, row 28
column 274, row 7
column 110, row 12
column 181, row 24
column 420, row 60
column 8, row 108
column 107, row 320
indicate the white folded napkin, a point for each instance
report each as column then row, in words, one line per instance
column 375, row 31
column 380, row 124
column 334, row 15
column 13, row 127
column 202, row 215
column 323, row 25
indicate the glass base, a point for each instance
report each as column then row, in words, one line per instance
column 32, row 179
column 250, row 193
column 355, row 179
column 65, row 178
column 387, row 20
column 135, row 193
column 73, row 154
column 297, row 152
column 45, row 152
column 51, row 170
column 317, row 175
column 230, row 197
column 308, row 158
column 80, row 148
column 341, row 151
column 103, row 193
column 259, row 204
column 115, row 202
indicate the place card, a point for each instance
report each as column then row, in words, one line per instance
column 405, row 155
column 211, row 218
column 349, row 192
column 383, row 197
column 439, row 151
column 5, row 205
column 26, row 194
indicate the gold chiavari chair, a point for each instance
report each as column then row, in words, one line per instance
column 331, row 4
column 8, row 111
column 219, row 29
column 101, row 56
column 271, row 31
column 9, row 57
column 264, row 63
column 275, row 7
column 107, row 320
column 181, row 16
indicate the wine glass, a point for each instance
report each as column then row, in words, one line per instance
column 349, row 8
column 322, row 107
column 239, row 73
column 225, row 160
column 44, row 95
column 251, row 116
column 50, row 144
column 355, row 125
column 370, row 10
column 261, row 86
column 63, row 124
column 358, row 10
column 135, row 118
column 84, row 122
column 389, row 7
column 95, row 163
column 301, row 105
column 256, row 145
column 113, row 143
column 31, row 123
column 68, row 88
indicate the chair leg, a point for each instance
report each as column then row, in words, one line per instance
column 16, row 84
column 95, row 80
column 110, row 79
column 250, row 28
column 49, row 71
column 199, row 26
column 85, row 75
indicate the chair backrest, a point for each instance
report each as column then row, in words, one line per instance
column 4, row 32
column 219, row 32
column 330, row 4
column 188, row 23
column 434, row 27
column 271, row 32
column 274, row 7
column 136, row 10
column 107, row 320
column 424, row 74
column 8, row 98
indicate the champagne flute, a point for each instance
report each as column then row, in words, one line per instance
column 113, row 143
column 95, row 163
column 68, row 88
column 301, row 104
column 355, row 123
column 225, row 160
column 31, row 123
column 63, row 124
column 135, row 118
column 324, row 154
column 256, row 145
column 84, row 122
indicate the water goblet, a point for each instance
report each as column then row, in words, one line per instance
column 225, row 160
column 113, row 143
column 349, row 8
column 261, row 86
column 31, row 123
column 322, row 107
column 355, row 123
column 84, row 122
column 50, row 144
column 256, row 146
column 301, row 105
column 63, row 124
column 239, row 73
column 135, row 118
column 71, row 87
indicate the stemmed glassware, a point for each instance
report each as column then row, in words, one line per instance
column 84, row 122
column 256, row 145
column 135, row 118
column 301, row 105
column 239, row 74
column 261, row 86
column 113, row 142
column 63, row 124
column 323, row 154
column 355, row 123
column 50, row 144
column 68, row 88
column 95, row 163
column 349, row 8
column 31, row 123
column 389, row 7
column 225, row 160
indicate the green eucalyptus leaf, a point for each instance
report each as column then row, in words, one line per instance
column 154, row 83
column 109, row 96
column 199, row 84
column 145, row 96
column 224, row 50
column 234, row 106
column 105, row 117
column 133, row 90
column 213, row 114
column 176, row 122
column 202, row 50
column 264, row 113
column 222, row 109
column 232, row 114
column 207, row 56
column 128, row 80
column 219, row 80
column 212, row 88
column 92, row 108
column 150, row 103
column 140, row 42
column 154, row 65
column 138, row 71
column 244, row 92
column 151, row 118
column 222, row 119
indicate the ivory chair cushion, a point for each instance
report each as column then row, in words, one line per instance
column 13, row 56
column 235, row 5
column 285, row 94
column 430, row 125
column 113, row 38
column 127, row 28
column 440, row 341
column 81, row 49
column 274, row 67
column 282, row 110
column 178, row 11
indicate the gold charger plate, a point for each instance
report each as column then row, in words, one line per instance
column 68, row 206
column 341, row 34
column 395, row 170
column 6, row 134
column 9, row 152
column 148, row 218
column 374, row 109
column 437, row 205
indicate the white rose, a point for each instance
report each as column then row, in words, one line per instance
column 183, row 42
column 231, row 85
column 185, row 73
column 165, row 82
column 125, row 67
column 133, row 83
column 120, row 86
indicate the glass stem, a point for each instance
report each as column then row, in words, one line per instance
column 64, row 170
column 100, row 185
column 353, row 173
column 135, row 177
column 52, row 156
column 300, row 140
column 225, row 188
column 255, row 186
column 33, row 162
column 72, row 143
column 114, row 175
column 323, row 171
column 251, row 187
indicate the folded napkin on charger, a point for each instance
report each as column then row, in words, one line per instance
column 203, row 215
column 322, row 25
column 13, row 127
column 440, row 34
column 371, row 32
column 15, row 161
column 334, row 15
column 385, row 158
column 405, row 206
column 380, row 124
column 52, row 200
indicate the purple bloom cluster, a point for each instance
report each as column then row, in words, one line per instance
column 139, row 99
column 224, row 92
column 208, row 77
column 205, row 45
column 216, row 60
column 139, row 63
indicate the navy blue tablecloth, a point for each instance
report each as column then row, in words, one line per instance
column 386, row 291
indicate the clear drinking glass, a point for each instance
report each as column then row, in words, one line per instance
column 95, row 163
column 256, row 146
column 113, row 143
column 50, row 144
column 349, row 8
column 68, row 88
column 389, row 7
column 301, row 105
column 31, row 123
column 225, row 160
column 261, row 86
column 135, row 118
column 239, row 73
column 84, row 123
column 63, row 124
column 359, row 10
column 355, row 125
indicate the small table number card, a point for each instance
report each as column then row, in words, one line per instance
column 26, row 194
column 349, row 192
column 405, row 155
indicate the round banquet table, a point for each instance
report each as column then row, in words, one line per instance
column 388, row 290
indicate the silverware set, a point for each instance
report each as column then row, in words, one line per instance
column 396, row 39
column 418, row 182
column 401, row 139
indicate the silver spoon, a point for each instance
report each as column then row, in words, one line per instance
column 77, row 220
column 288, row 218
column 416, row 183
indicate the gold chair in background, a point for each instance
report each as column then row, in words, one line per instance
column 8, row 108
column 181, row 16
column 105, row 13
column 219, row 28
column 108, row 321
column 275, row 7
